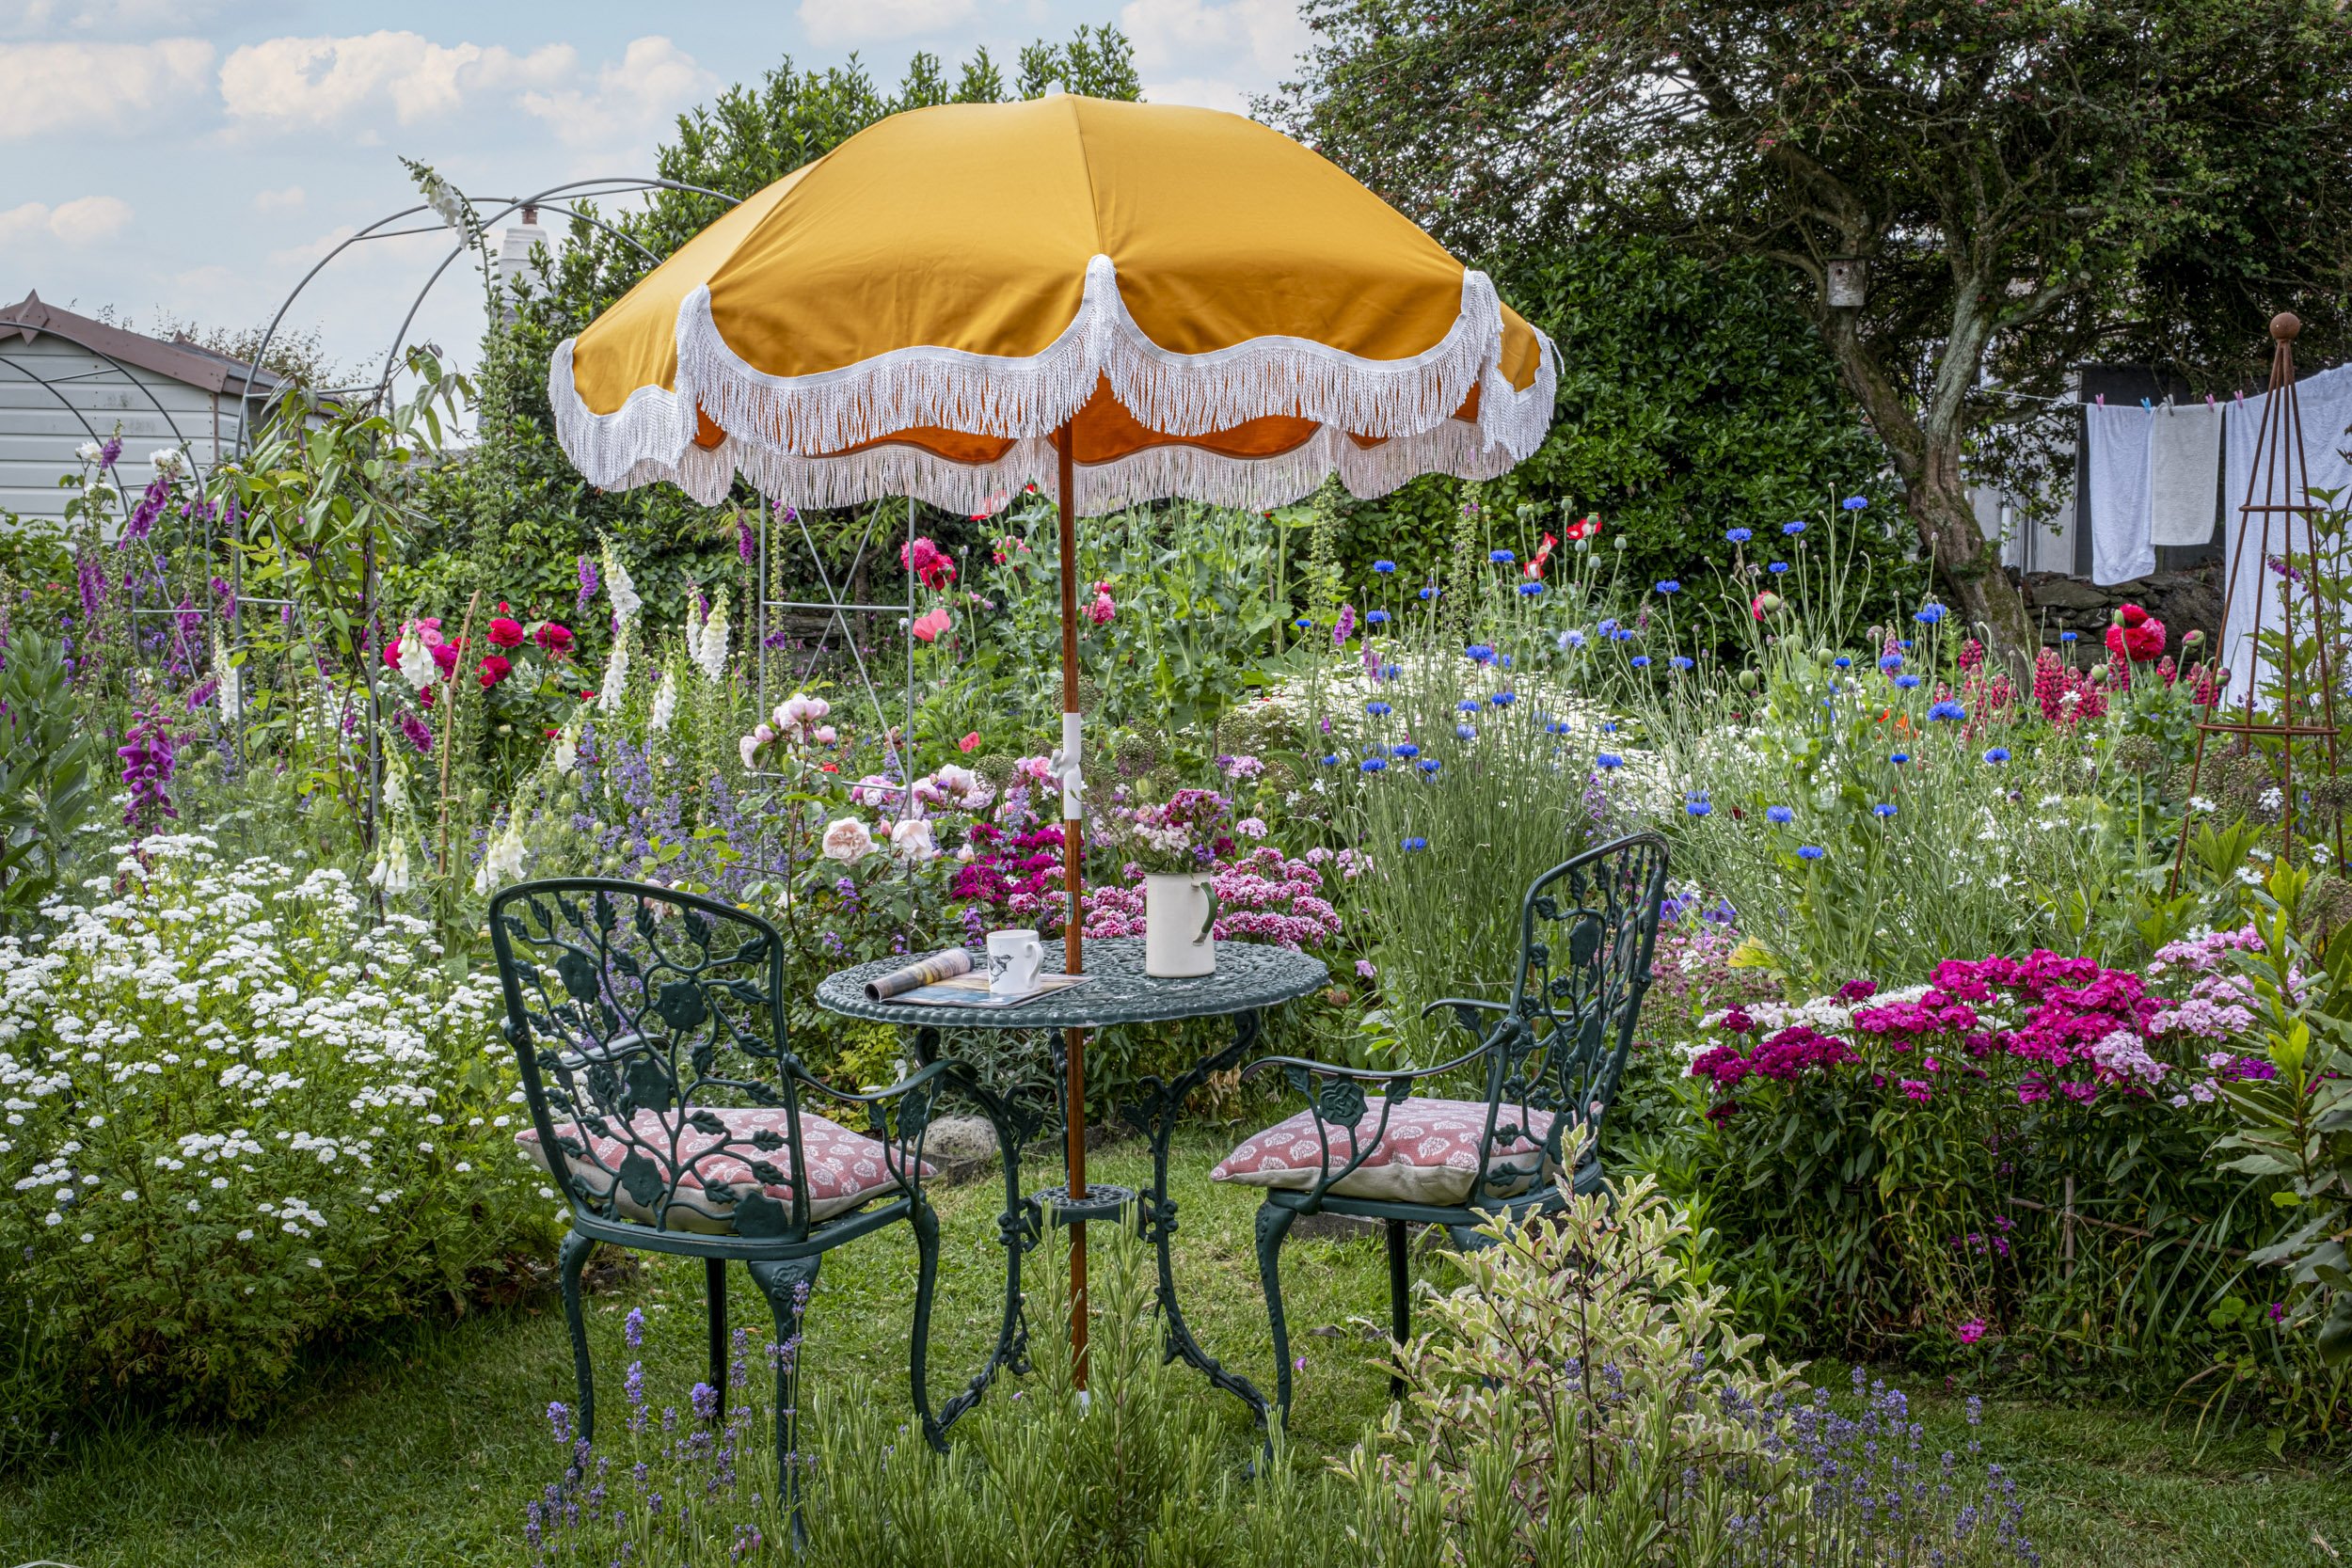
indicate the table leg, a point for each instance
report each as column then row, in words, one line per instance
column 1156, row 1117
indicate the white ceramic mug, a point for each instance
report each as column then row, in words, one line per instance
column 1013, row 961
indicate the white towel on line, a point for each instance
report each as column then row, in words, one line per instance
column 2326, row 405
column 2118, row 452
column 2184, row 472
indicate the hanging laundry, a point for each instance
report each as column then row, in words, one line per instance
column 2325, row 402
column 2117, row 454
column 2184, row 472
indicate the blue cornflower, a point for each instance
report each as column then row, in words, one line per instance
column 1376, row 617
column 1303, row 625
column 1739, row 535
column 1609, row 726
column 1810, row 852
column 1504, row 699
column 1906, row 683
column 1389, row 671
column 1842, row 662
column 1607, row 760
column 1680, row 663
column 1428, row 593
column 2067, row 636
column 1670, row 586
column 1899, row 758
column 1928, row 614
column 1406, row 752
column 1779, row 814
column 1500, row 557
column 1504, row 661
column 1608, row 627
column 1557, row 726
column 1998, row 753
column 1641, row 661
column 1430, row 764
column 1792, row 529
column 1571, row 639
column 1698, row 805
column 1529, row 590
column 1882, row 810
column 1416, row 842
column 1463, row 731
column 1623, row 634
column 1777, row 567
column 1946, row 710
column 1384, row 567
column 1378, row 709
column 1854, row 504
column 1891, row 662
column 1372, row 765
column 1332, row 760
column 1470, row 705
column 1480, row 652
column 1904, row 644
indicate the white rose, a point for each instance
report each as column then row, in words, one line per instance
column 911, row 839
column 847, row 840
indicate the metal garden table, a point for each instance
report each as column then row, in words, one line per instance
column 1249, row 979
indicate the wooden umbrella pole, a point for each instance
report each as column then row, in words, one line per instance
column 1073, row 961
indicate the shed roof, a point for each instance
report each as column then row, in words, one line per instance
column 179, row 357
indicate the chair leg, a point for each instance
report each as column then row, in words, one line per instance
column 787, row 1284
column 1400, row 1300
column 1273, row 1223
column 715, row 1290
column 926, row 1222
column 571, row 1260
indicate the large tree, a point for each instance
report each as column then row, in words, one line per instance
column 2026, row 184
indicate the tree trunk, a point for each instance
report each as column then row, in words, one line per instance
column 1967, row 562
column 1926, row 455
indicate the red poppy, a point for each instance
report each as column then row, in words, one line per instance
column 494, row 670
column 506, row 633
column 2137, row 636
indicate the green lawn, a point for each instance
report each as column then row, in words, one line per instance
column 425, row 1453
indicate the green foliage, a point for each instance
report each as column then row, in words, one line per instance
column 1694, row 398
column 45, row 754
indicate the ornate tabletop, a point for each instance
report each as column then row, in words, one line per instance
column 1249, row 976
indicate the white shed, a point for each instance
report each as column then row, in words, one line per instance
column 66, row 379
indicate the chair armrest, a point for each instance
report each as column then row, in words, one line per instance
column 1466, row 1011
column 1358, row 1074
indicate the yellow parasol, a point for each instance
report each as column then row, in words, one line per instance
column 1119, row 302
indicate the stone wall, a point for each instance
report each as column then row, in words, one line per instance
column 2182, row 600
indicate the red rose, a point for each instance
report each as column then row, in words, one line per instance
column 554, row 638
column 445, row 657
column 391, row 654
column 494, row 670
column 506, row 633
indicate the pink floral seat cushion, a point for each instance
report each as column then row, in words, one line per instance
column 845, row 1168
column 1427, row 1154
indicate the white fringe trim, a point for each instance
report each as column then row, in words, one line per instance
column 772, row 420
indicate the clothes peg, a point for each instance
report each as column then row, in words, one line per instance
column 2145, row 408
column 2102, row 400
column 2209, row 400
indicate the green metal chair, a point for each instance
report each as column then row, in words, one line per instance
column 1553, row 1055
column 667, row 1103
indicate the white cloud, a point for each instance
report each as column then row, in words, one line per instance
column 33, row 19
column 103, row 87
column 311, row 251
column 1214, row 52
column 653, row 81
column 294, row 84
column 84, row 220
column 830, row 21
column 271, row 202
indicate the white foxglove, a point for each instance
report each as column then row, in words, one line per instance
column 615, row 672
column 710, row 648
column 664, row 703
column 625, row 600
column 416, row 660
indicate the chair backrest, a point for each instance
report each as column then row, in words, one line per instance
column 1587, row 929
column 635, row 1013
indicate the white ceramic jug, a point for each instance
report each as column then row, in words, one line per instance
column 1179, row 914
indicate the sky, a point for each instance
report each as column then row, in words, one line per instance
column 191, row 160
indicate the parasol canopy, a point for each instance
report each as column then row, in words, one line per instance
column 1214, row 311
